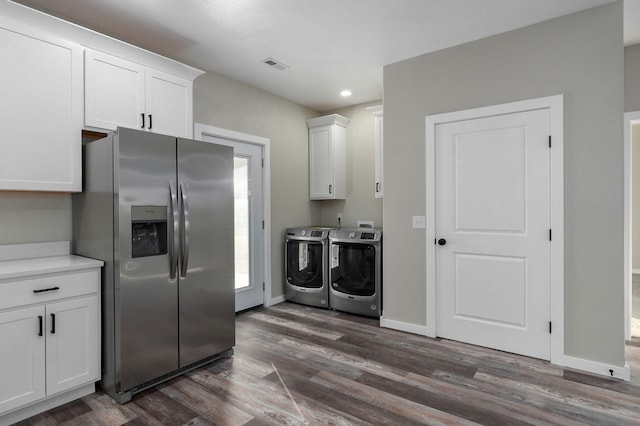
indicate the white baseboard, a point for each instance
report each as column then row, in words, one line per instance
column 599, row 368
column 405, row 326
column 594, row 367
column 274, row 301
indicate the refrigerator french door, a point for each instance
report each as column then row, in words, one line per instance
column 166, row 206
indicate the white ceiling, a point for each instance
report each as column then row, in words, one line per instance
column 328, row 45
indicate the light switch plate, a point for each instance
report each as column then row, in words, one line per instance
column 419, row 222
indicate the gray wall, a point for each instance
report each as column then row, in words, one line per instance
column 360, row 203
column 579, row 55
column 632, row 78
column 222, row 102
column 33, row 217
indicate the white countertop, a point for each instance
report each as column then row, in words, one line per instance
column 45, row 265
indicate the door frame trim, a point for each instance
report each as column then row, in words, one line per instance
column 630, row 119
column 555, row 104
column 200, row 130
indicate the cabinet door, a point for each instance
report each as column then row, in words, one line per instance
column 321, row 185
column 22, row 354
column 41, row 112
column 169, row 104
column 379, row 164
column 73, row 338
column 114, row 92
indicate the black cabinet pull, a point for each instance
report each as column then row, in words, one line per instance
column 42, row 290
column 53, row 323
column 150, row 121
column 442, row 242
column 142, row 114
column 330, row 188
column 40, row 325
column 377, row 186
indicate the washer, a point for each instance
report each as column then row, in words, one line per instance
column 355, row 272
column 306, row 259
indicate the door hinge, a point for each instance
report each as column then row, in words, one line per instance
column 263, row 288
column 549, row 327
column 263, row 224
column 262, row 162
column 549, row 141
column 549, row 234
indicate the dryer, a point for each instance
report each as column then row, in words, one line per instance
column 355, row 270
column 306, row 258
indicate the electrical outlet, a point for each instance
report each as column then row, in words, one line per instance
column 339, row 216
column 419, row 222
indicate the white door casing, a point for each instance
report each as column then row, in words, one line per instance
column 492, row 207
column 234, row 139
column 630, row 119
column 495, row 212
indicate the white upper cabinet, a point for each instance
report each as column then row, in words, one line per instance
column 327, row 157
column 169, row 104
column 122, row 93
column 114, row 92
column 379, row 150
column 40, row 111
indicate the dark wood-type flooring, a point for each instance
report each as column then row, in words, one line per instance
column 299, row 365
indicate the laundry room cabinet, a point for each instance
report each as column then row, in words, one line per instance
column 41, row 110
column 327, row 157
column 123, row 93
column 49, row 333
column 379, row 153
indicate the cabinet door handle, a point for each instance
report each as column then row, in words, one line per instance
column 40, row 325
column 150, row 121
column 330, row 188
column 42, row 290
column 377, row 186
column 53, row 323
column 142, row 115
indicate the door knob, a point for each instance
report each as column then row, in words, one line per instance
column 442, row 241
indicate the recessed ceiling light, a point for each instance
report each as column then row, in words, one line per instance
column 345, row 93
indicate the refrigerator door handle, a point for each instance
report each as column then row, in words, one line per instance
column 184, row 264
column 173, row 255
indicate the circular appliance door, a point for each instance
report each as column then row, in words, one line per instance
column 304, row 263
column 353, row 269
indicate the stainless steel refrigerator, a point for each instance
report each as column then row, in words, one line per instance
column 158, row 210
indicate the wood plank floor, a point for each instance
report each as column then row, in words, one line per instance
column 298, row 365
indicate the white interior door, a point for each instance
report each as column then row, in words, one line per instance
column 493, row 231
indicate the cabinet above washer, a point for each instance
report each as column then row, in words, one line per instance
column 327, row 157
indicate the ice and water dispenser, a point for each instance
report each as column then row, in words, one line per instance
column 148, row 231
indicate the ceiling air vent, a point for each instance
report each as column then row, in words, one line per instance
column 275, row 64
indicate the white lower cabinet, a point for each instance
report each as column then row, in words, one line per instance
column 22, row 358
column 49, row 341
column 72, row 343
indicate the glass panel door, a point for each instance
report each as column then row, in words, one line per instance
column 241, row 221
column 249, row 238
